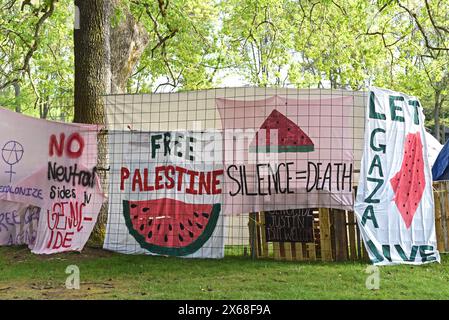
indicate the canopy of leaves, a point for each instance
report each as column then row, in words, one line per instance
column 400, row 44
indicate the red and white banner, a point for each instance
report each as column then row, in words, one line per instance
column 282, row 153
column 165, row 194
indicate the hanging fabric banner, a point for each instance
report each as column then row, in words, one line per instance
column 283, row 153
column 394, row 204
column 50, row 195
column 166, row 194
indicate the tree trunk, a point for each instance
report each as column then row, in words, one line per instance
column 104, row 60
column 92, row 80
column 91, row 61
column 436, row 115
column 18, row 107
column 128, row 41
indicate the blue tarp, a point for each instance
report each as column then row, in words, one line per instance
column 440, row 169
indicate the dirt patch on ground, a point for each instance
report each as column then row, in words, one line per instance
column 20, row 254
column 49, row 290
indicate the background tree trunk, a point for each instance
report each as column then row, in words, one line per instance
column 104, row 60
column 91, row 61
column 92, row 80
column 128, row 41
column 436, row 115
column 17, row 107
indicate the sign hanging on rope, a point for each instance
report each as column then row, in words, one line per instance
column 394, row 204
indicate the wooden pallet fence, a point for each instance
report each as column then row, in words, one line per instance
column 288, row 251
column 336, row 238
column 441, row 199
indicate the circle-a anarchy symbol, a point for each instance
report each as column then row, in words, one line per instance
column 12, row 153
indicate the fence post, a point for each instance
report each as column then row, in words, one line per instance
column 325, row 235
column 341, row 241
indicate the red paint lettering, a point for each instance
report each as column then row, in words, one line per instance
column 70, row 152
column 124, row 174
column 181, row 172
column 146, row 186
column 204, row 183
column 216, row 181
column 158, row 178
column 137, row 180
column 169, row 172
column 56, row 212
column 67, row 241
column 58, row 147
column 191, row 188
column 55, row 145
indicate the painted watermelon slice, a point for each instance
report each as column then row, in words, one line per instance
column 170, row 227
column 288, row 136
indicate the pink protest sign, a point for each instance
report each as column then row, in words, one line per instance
column 282, row 153
column 51, row 166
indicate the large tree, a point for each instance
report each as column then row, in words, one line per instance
column 105, row 56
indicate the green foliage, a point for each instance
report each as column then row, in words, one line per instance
column 37, row 55
column 184, row 51
column 402, row 45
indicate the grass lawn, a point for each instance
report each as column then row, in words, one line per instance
column 106, row 275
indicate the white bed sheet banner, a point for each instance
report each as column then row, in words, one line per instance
column 165, row 195
column 394, row 204
column 50, row 195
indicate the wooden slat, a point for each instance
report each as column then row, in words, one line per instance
column 341, row 240
column 325, row 235
column 276, row 251
column 359, row 241
column 264, row 243
column 252, row 234
column 311, row 250
column 365, row 253
column 351, row 235
column 288, row 251
column 445, row 216
column 282, row 250
column 257, row 233
column 438, row 224
column 358, row 236
column 298, row 252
